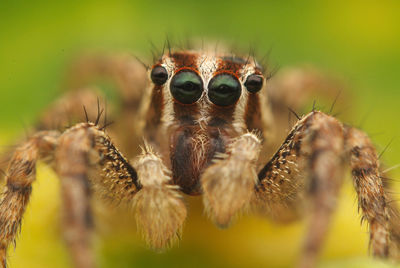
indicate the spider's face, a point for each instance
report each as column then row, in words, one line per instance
column 206, row 101
column 205, row 82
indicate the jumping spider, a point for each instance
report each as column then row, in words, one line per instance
column 208, row 119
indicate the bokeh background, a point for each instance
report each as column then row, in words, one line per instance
column 356, row 40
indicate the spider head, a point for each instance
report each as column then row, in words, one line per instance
column 206, row 99
column 206, row 80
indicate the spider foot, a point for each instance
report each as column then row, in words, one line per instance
column 160, row 213
column 160, row 210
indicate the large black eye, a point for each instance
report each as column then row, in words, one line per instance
column 254, row 83
column 159, row 75
column 224, row 90
column 186, row 87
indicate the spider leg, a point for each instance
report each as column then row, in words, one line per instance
column 372, row 199
column 130, row 77
column 78, row 151
column 84, row 152
column 131, row 80
column 20, row 175
column 308, row 165
column 229, row 182
column 296, row 88
column 62, row 113
column 127, row 72
column 86, row 159
column 72, row 108
column 84, row 104
column 90, row 104
column 394, row 225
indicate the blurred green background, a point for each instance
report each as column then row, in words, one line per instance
column 356, row 40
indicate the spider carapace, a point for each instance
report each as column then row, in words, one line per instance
column 210, row 122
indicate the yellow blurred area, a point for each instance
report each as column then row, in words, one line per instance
column 349, row 26
column 356, row 40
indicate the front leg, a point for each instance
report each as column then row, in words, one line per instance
column 84, row 152
column 308, row 166
column 229, row 182
column 86, row 157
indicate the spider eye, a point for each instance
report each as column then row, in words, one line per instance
column 254, row 83
column 186, row 87
column 159, row 75
column 224, row 90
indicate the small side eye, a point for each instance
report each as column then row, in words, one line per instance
column 254, row 83
column 159, row 75
column 224, row 90
column 186, row 87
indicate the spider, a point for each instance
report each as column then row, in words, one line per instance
column 209, row 120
